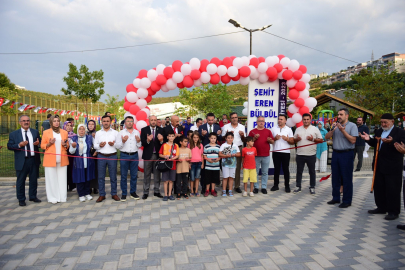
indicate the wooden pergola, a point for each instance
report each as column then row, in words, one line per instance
column 399, row 115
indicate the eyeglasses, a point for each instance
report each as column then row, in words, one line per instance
column 25, row 121
column 234, row 117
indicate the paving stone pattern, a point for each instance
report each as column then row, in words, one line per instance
column 274, row 231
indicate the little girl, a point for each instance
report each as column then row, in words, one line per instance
column 197, row 152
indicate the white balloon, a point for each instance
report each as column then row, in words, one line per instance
column 305, row 78
column 164, row 88
column 310, row 109
column 311, row 102
column 291, row 82
column 212, row 69
column 185, row 69
column 296, row 117
column 195, row 63
column 304, row 94
column 262, row 68
column 137, row 83
column 178, row 77
column 245, row 104
column 263, row 78
column 198, row 83
column 146, row 110
column 244, row 80
column 142, row 93
column 141, row 103
column 307, row 86
column 252, row 70
column 132, row 97
column 272, row 60
column 293, row 109
column 245, row 61
column 140, row 125
column 294, row 65
column 252, row 56
column 205, row 77
column 222, row 70
column 285, row 62
column 141, row 164
column 145, row 83
column 160, row 69
column 290, row 123
column 254, row 75
column 237, row 62
column 152, row 74
column 280, row 75
column 232, row 71
column 244, row 111
column 171, row 84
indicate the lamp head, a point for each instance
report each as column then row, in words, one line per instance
column 235, row 23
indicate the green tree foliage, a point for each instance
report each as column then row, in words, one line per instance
column 114, row 105
column 8, row 92
column 207, row 98
column 85, row 85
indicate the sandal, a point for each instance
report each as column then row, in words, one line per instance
column 197, row 194
column 185, row 196
column 191, row 194
column 178, row 196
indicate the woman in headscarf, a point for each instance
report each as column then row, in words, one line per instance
column 321, row 150
column 83, row 167
column 68, row 126
column 91, row 130
column 55, row 143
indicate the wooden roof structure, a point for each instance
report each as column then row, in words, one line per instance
column 399, row 115
column 326, row 98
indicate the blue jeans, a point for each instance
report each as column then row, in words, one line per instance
column 195, row 172
column 133, row 167
column 262, row 162
column 342, row 169
column 112, row 170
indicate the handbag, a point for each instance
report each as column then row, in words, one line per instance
column 164, row 165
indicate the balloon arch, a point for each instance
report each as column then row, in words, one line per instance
column 198, row 72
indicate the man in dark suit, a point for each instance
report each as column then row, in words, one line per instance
column 388, row 177
column 152, row 140
column 176, row 128
column 24, row 142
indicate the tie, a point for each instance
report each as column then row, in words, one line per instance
column 154, row 147
column 174, row 129
column 28, row 145
column 210, row 129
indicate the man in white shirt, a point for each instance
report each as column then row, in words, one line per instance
column 283, row 138
column 239, row 134
column 128, row 141
column 104, row 143
column 306, row 134
column 198, row 123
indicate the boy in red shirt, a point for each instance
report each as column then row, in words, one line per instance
column 249, row 166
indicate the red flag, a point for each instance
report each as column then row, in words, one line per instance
column 325, row 178
column 1, row 101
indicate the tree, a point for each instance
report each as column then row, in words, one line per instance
column 8, row 92
column 207, row 98
column 85, row 85
column 114, row 105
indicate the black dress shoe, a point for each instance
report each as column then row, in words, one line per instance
column 287, row 189
column 238, row 190
column 134, row 196
column 357, row 170
column 333, row 202
column 158, row 195
column 145, row 196
column 22, row 203
column 274, row 188
column 35, row 200
column 264, row 191
column 376, row 211
column 401, row 227
column 344, row 205
column 255, row 191
column 391, row 216
column 95, row 191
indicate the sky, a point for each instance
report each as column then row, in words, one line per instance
column 347, row 28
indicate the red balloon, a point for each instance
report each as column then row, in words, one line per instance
column 299, row 124
column 293, row 94
column 261, row 59
column 297, row 75
column 131, row 88
column 155, row 86
column 244, row 71
column 215, row 78
column 236, row 78
column 227, row 62
column 143, row 73
column 127, row 105
column 303, row 69
column 141, row 115
column 203, row 65
column 126, row 100
column 272, row 79
column 216, row 61
column 168, row 72
column 180, row 85
column 232, row 57
column 161, row 79
column 299, row 102
column 254, row 62
column 147, row 108
column 148, row 99
column 133, row 109
column 150, row 91
column 225, row 79
column 195, row 74
column 280, row 56
column 287, row 74
column 289, row 114
column 177, row 65
column 300, row 86
column 278, row 67
column 303, row 110
column 188, row 81
column 271, row 72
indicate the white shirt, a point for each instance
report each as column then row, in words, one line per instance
column 280, row 143
column 194, row 128
column 304, row 132
column 30, row 141
column 72, row 149
column 131, row 145
column 58, row 145
column 237, row 140
column 105, row 136
column 177, row 130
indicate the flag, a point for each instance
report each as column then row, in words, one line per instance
column 325, row 178
column 37, row 109
column 30, row 107
column 1, row 101
column 99, row 120
column 85, row 121
column 67, row 112
column 4, row 102
column 22, row 108
column 62, row 112
column 56, row 111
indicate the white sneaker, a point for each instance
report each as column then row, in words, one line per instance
column 244, row 194
column 82, row 199
column 88, row 197
column 251, row 194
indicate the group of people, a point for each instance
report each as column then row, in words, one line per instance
column 197, row 153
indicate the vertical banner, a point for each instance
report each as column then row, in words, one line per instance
column 282, row 102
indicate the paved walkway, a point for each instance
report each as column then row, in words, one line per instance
column 274, row 231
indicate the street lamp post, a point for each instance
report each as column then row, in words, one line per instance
column 238, row 25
